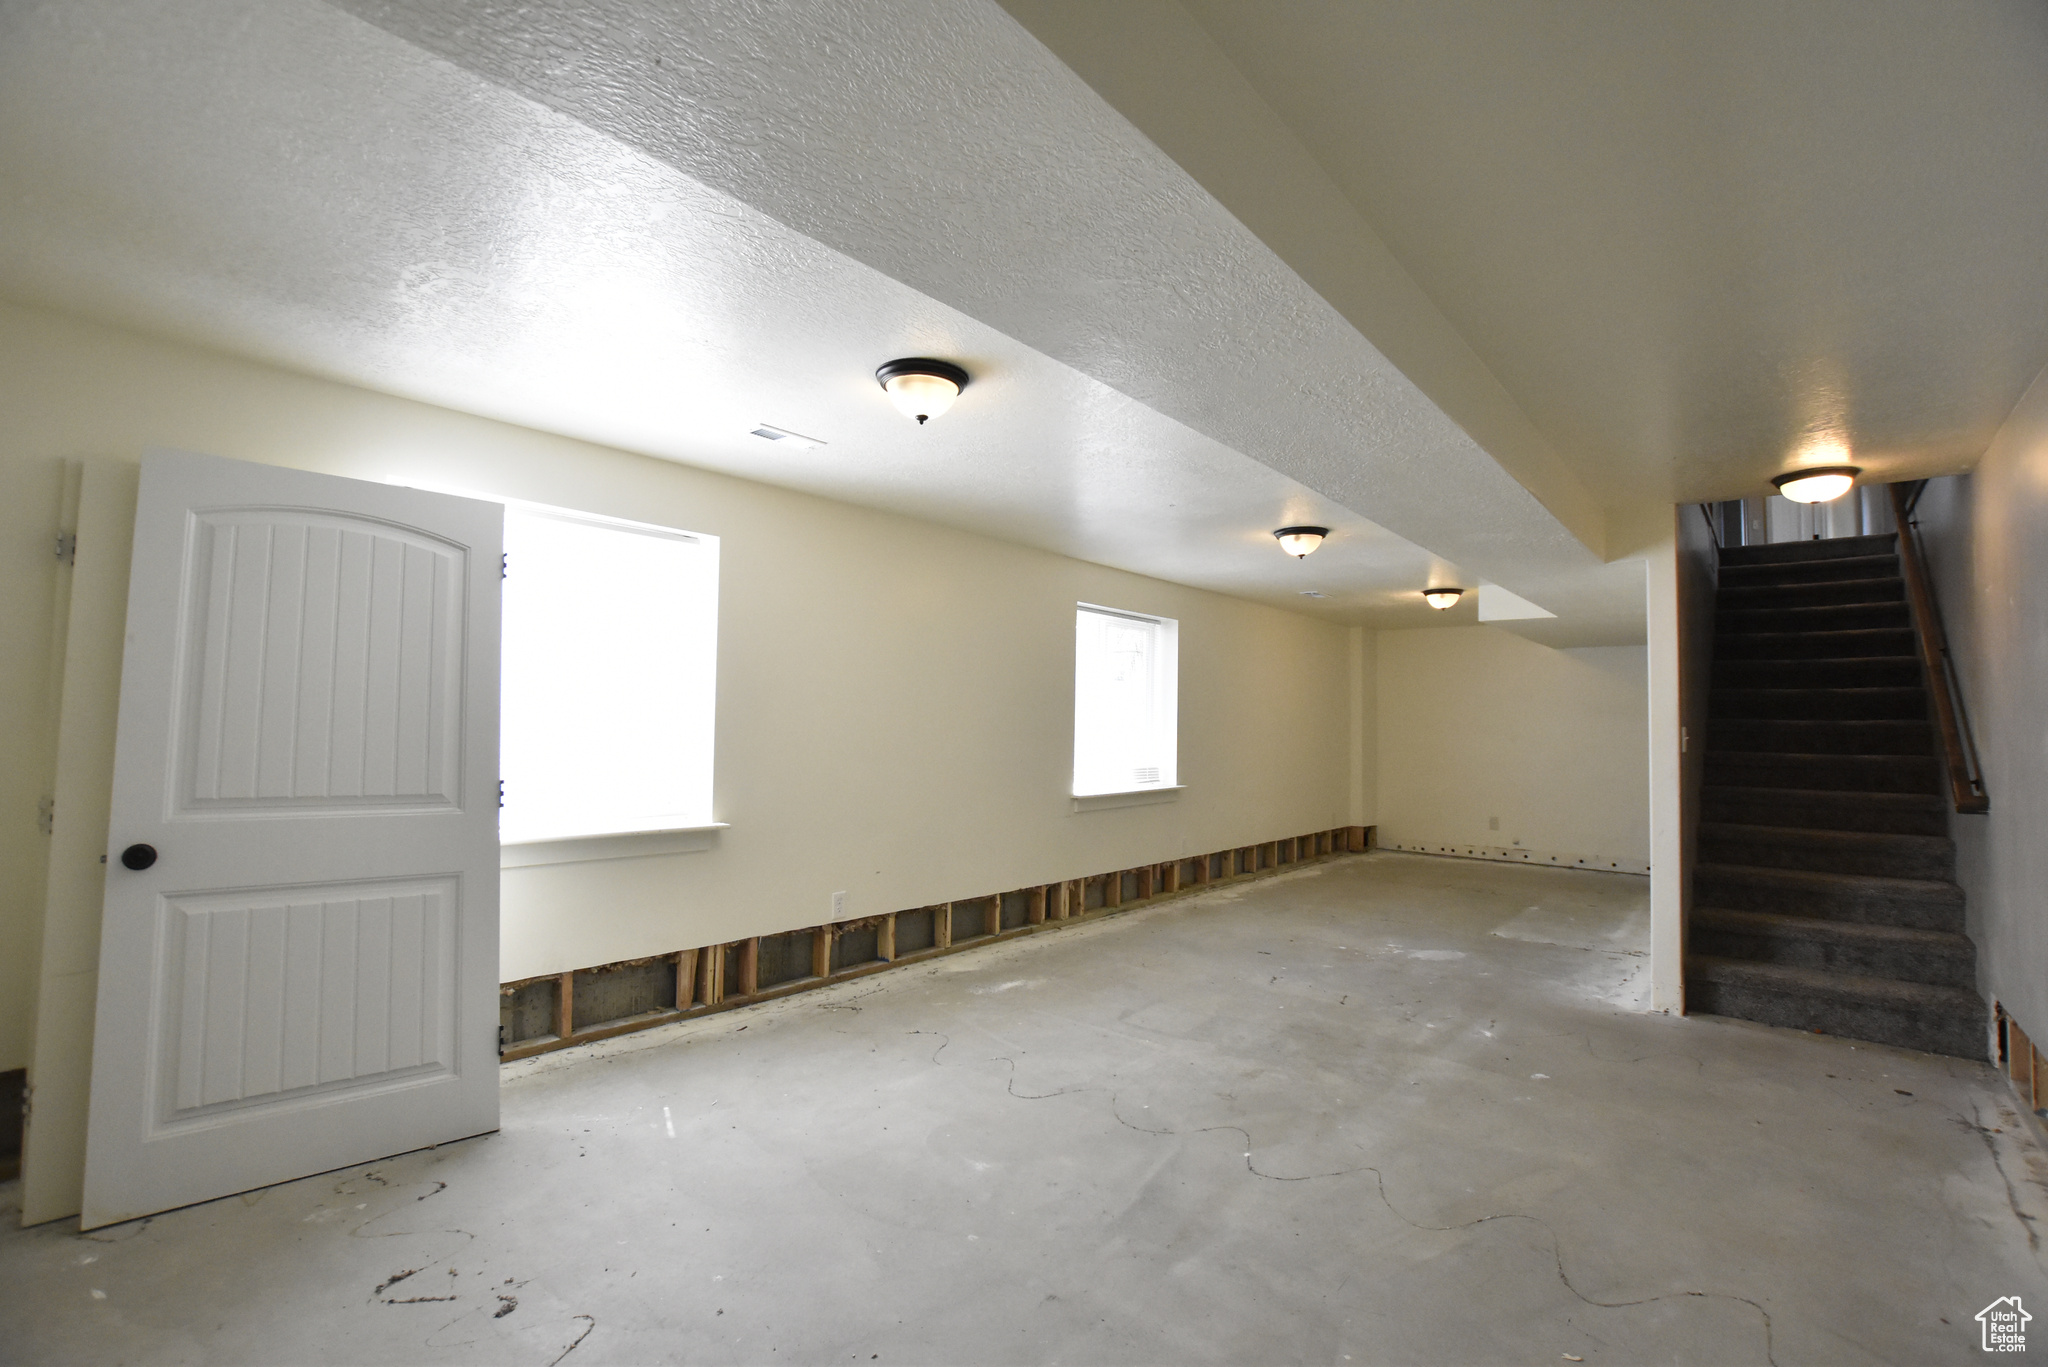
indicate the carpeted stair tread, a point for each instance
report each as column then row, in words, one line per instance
column 1873, row 899
column 1883, row 544
column 1874, row 736
column 1814, row 593
column 1818, row 704
column 1944, row 958
column 1786, row 617
column 1883, row 853
column 1840, row 569
column 1925, row 1016
column 1822, row 809
column 1841, row 773
column 1863, row 736
column 1883, row 671
column 1861, row 643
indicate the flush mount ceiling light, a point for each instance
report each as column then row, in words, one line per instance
column 1442, row 598
column 1299, row 541
column 920, row 387
column 1819, row 484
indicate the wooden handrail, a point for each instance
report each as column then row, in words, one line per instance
column 1966, row 790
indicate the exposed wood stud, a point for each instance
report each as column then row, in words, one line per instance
column 565, row 1005
column 701, row 983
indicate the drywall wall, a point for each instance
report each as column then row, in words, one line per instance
column 1365, row 734
column 895, row 697
column 1986, row 535
column 1478, row 725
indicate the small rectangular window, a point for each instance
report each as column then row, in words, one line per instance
column 610, row 673
column 1126, row 705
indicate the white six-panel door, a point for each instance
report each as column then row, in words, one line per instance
column 305, row 974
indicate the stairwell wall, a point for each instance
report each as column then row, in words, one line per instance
column 1986, row 535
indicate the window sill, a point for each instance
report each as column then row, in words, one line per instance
column 579, row 849
column 1135, row 797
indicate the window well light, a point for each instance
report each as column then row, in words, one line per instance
column 1442, row 598
column 1299, row 541
column 920, row 387
column 1817, row 485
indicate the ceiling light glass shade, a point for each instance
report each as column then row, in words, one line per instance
column 1442, row 598
column 1299, row 541
column 1818, row 485
column 920, row 387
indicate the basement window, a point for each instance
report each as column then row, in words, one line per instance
column 609, row 678
column 1126, row 701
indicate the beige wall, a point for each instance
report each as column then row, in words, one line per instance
column 1476, row 723
column 1986, row 535
column 895, row 698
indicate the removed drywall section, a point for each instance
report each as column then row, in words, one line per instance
column 1488, row 741
column 1986, row 536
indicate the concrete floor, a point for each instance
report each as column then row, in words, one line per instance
column 1392, row 1109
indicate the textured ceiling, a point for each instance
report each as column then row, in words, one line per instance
column 939, row 143
column 1696, row 240
column 212, row 171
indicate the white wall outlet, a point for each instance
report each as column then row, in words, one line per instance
column 839, row 906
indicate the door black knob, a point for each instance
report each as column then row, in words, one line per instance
column 138, row 857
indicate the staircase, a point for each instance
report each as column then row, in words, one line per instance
column 1824, row 894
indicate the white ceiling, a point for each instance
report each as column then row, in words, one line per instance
column 1484, row 279
column 284, row 181
column 1695, row 243
column 517, row 264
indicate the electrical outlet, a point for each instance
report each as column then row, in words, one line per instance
column 839, row 906
column 1493, row 823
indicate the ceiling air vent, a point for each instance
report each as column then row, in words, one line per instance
column 796, row 441
column 1146, row 775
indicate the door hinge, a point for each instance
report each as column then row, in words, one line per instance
column 67, row 547
column 501, row 794
column 504, row 565
column 46, row 816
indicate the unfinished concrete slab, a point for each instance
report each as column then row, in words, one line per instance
column 1393, row 1109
